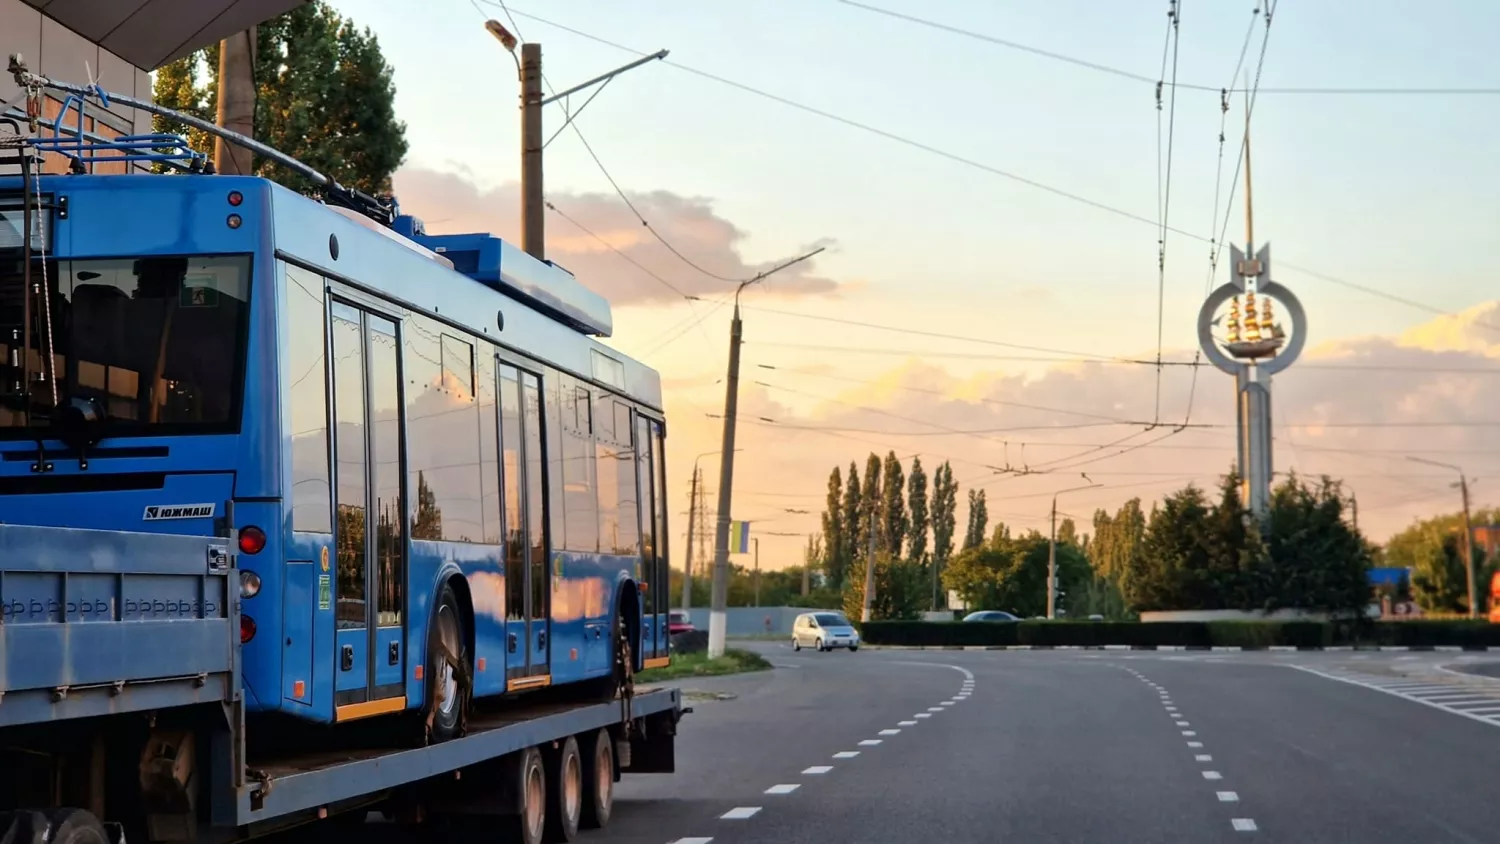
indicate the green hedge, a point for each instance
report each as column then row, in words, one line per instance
column 1190, row 634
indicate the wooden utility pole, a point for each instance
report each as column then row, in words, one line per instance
column 533, row 238
column 236, row 108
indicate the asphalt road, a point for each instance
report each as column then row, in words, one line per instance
column 1078, row 747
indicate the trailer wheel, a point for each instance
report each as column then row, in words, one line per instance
column 529, row 826
column 450, row 684
column 75, row 826
column 598, row 782
column 25, row 827
column 564, row 792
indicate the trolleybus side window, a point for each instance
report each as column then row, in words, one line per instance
column 351, row 462
column 444, row 455
column 579, row 469
column 385, row 468
column 513, row 479
column 536, row 490
column 307, row 362
column 489, row 470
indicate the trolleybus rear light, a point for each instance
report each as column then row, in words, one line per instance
column 247, row 629
column 235, row 198
column 252, row 540
column 234, row 221
column 249, row 584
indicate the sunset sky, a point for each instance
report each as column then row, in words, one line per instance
column 952, row 253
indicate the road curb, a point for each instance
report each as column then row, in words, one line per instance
column 1195, row 648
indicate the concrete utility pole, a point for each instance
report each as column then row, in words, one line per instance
column 529, row 68
column 1463, row 488
column 718, row 619
column 533, row 221
column 1052, row 553
column 687, row 565
column 755, row 540
column 236, row 107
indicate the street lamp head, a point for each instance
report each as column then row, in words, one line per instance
column 501, row 34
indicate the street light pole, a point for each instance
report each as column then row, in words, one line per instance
column 1463, row 487
column 1052, row 552
column 718, row 620
column 529, row 68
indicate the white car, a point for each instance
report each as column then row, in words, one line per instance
column 824, row 631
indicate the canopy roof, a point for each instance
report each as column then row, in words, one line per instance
column 150, row 33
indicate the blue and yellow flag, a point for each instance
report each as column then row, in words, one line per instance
column 739, row 537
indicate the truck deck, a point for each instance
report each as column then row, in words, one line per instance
column 310, row 781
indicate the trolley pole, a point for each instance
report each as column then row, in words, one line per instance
column 718, row 618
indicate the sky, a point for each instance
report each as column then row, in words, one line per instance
column 981, row 201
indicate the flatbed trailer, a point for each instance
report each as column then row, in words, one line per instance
column 537, row 771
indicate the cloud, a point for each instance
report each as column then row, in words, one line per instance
column 454, row 203
column 1354, row 409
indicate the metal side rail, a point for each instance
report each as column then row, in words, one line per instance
column 94, row 622
column 292, row 785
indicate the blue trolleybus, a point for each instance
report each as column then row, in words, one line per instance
column 402, row 464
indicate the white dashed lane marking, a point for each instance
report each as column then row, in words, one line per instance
column 693, row 841
column 740, row 813
column 889, row 732
column 817, row 769
column 1239, row 824
column 784, row 788
column 869, row 742
column 846, row 754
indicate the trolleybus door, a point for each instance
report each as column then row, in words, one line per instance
column 654, row 539
column 369, row 529
column 527, row 592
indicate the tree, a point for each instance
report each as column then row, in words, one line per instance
column 944, row 520
column 1317, row 559
column 916, row 498
column 893, row 518
column 1011, row 574
column 1172, row 552
column 855, row 529
column 324, row 95
column 870, row 501
column 978, row 519
column 835, row 561
column 1433, row 550
column 1067, row 532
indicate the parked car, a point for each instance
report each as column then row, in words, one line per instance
column 991, row 615
column 824, row 631
column 678, row 621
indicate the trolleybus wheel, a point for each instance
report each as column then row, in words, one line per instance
column 598, row 780
column 449, row 685
column 529, row 826
column 564, row 792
